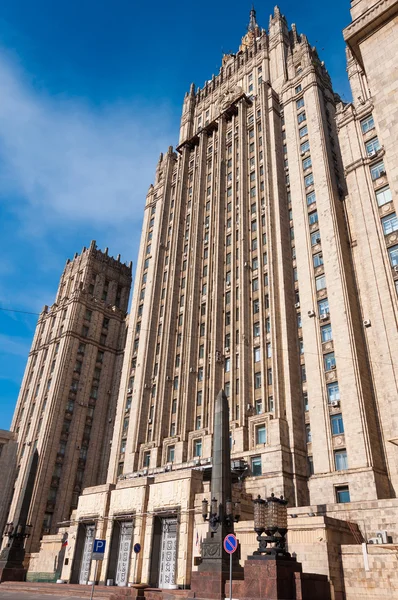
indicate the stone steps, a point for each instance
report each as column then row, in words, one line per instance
column 101, row 591
column 66, row 589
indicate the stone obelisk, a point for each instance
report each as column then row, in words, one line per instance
column 12, row 556
column 209, row 580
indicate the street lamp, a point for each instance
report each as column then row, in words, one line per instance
column 270, row 517
column 19, row 532
column 232, row 513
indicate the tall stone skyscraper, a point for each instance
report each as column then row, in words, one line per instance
column 368, row 133
column 67, row 402
column 245, row 282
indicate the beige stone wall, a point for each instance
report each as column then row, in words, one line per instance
column 377, row 583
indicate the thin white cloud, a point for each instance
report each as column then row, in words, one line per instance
column 67, row 160
column 17, row 346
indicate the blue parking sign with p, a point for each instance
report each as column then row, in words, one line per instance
column 98, row 549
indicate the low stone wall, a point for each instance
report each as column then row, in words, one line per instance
column 370, row 516
column 380, row 582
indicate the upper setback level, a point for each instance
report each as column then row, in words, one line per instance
column 278, row 59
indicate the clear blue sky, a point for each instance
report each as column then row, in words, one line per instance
column 90, row 94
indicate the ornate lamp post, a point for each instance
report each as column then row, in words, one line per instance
column 232, row 513
column 270, row 517
column 20, row 532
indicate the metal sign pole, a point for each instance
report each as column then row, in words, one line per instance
column 95, row 577
column 135, row 566
column 230, row 576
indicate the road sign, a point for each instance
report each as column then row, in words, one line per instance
column 98, row 550
column 230, row 543
column 230, row 546
column 137, row 548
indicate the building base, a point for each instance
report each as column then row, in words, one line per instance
column 278, row 578
column 12, row 574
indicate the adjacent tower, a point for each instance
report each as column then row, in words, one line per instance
column 368, row 130
column 67, row 401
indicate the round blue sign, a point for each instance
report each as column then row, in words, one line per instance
column 137, row 548
column 230, row 543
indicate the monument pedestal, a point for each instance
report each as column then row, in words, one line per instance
column 11, row 564
column 278, row 578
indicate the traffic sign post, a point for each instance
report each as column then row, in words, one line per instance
column 230, row 546
column 137, row 550
column 97, row 555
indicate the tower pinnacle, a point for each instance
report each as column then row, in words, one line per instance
column 252, row 22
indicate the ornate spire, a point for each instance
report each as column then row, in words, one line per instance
column 252, row 22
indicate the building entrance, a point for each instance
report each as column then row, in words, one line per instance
column 124, row 553
column 168, row 553
column 87, row 552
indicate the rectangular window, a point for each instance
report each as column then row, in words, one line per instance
column 170, row 453
column 367, row 124
column 303, row 131
column 383, row 195
column 329, row 361
column 393, row 254
column 342, row 494
column 333, row 392
column 313, row 217
column 326, row 333
column 300, row 103
column 305, row 146
column 323, row 307
column 146, row 459
column 256, row 329
column 257, row 381
column 297, row 89
column 301, row 117
column 315, row 238
column 308, row 434
column 256, row 306
column 336, row 423
column 259, row 407
column 390, row 223
column 377, row 170
column 261, row 434
column 340, row 460
column 372, row 146
column 307, row 163
column 317, row 259
column 308, row 180
column 198, row 422
column 256, row 355
column 320, row 282
column 311, row 198
column 197, row 448
column 256, row 466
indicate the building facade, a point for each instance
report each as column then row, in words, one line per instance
column 245, row 281
column 67, row 401
column 368, row 130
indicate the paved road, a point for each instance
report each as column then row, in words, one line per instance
column 6, row 595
